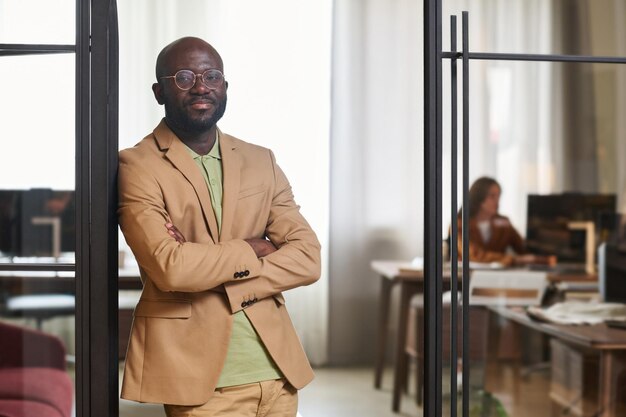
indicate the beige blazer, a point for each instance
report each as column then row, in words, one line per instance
column 182, row 324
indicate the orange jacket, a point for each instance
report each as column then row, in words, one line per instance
column 503, row 237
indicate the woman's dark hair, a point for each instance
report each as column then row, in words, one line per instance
column 478, row 193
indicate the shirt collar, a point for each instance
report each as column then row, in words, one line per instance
column 214, row 152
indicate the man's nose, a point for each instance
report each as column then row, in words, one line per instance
column 199, row 86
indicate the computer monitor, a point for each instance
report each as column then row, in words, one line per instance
column 28, row 219
column 10, row 221
column 549, row 217
column 612, row 272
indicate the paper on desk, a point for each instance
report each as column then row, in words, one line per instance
column 575, row 312
column 485, row 265
column 417, row 264
column 513, row 287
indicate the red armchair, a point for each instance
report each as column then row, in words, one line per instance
column 33, row 380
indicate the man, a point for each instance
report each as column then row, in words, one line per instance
column 217, row 235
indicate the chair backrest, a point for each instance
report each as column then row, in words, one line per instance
column 23, row 347
column 513, row 287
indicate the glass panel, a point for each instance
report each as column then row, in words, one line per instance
column 580, row 27
column 37, row 225
column 38, row 21
column 37, row 128
column 541, row 128
column 552, row 135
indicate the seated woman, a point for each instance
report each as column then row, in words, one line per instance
column 492, row 236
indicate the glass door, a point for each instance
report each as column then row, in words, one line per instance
column 37, row 207
column 58, row 255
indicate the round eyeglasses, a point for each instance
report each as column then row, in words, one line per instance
column 186, row 79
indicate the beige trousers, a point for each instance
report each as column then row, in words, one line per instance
column 274, row 398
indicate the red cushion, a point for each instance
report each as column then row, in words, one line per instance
column 44, row 386
column 20, row 346
column 17, row 408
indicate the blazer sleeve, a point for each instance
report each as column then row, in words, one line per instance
column 517, row 242
column 477, row 250
column 187, row 267
column 297, row 262
column 478, row 253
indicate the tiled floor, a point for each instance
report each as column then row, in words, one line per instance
column 333, row 393
column 342, row 392
column 347, row 392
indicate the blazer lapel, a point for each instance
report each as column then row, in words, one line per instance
column 231, row 168
column 176, row 153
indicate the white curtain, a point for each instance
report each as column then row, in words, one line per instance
column 620, row 36
column 377, row 138
column 376, row 161
column 511, row 103
column 277, row 61
column 608, row 37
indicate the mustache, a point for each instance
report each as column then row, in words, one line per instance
column 202, row 99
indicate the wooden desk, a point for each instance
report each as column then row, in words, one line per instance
column 37, row 282
column 609, row 342
column 411, row 281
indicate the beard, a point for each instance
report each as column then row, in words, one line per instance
column 186, row 122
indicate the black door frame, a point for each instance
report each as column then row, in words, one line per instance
column 96, row 221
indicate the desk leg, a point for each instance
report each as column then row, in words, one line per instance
column 383, row 329
column 604, row 390
column 612, row 364
column 400, row 370
column 419, row 347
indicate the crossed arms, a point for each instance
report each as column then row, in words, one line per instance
column 289, row 259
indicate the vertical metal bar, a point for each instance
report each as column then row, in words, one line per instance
column 465, row 228
column 96, row 224
column 454, row 226
column 103, row 160
column 83, row 370
column 432, row 209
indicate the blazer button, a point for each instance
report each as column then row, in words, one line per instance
column 255, row 300
column 237, row 275
column 246, row 273
column 244, row 304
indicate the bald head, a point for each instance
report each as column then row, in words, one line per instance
column 170, row 56
column 191, row 111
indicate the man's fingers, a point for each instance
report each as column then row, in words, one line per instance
column 175, row 233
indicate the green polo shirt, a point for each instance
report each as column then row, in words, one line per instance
column 247, row 360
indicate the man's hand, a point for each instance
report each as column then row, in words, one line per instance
column 261, row 247
column 175, row 233
column 529, row 259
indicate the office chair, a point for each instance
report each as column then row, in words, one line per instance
column 33, row 379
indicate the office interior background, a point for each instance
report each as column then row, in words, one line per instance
column 335, row 88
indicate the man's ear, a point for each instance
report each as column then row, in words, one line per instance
column 226, row 85
column 157, row 89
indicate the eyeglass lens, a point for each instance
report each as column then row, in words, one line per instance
column 185, row 79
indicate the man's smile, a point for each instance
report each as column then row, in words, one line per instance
column 201, row 104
